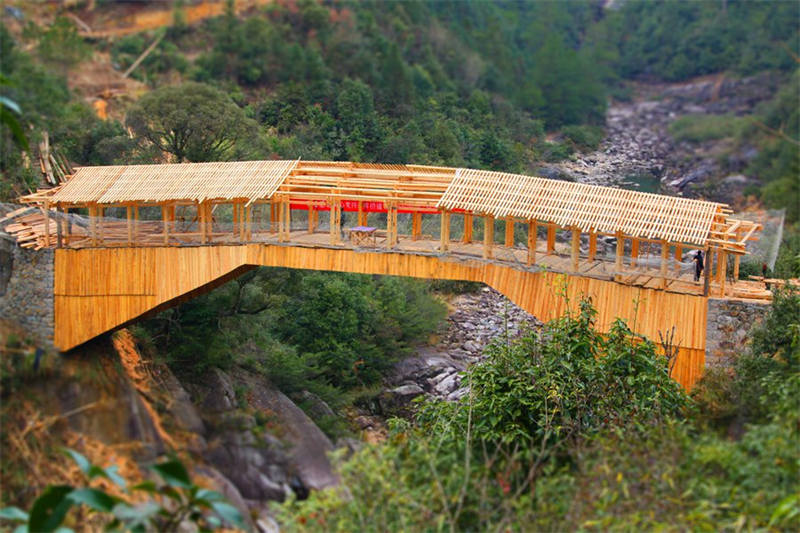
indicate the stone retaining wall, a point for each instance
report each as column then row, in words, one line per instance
column 727, row 327
column 26, row 290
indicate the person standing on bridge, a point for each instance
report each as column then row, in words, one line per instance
column 698, row 264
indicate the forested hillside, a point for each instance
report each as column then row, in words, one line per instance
column 563, row 428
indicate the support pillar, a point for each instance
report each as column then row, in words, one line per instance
column 736, row 259
column 664, row 263
column 707, row 273
column 634, row 251
column 444, row 231
column 467, row 228
column 620, row 253
column 336, row 221
column 576, row 248
column 551, row 238
column 488, row 237
column 532, row 229
column 129, row 222
column 416, row 226
column 165, row 222
column 722, row 259
column 592, row 245
column 678, row 258
column 509, row 236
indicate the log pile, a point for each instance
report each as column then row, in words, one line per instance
column 29, row 228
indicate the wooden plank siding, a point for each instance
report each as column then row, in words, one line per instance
column 101, row 289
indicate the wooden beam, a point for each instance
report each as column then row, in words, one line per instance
column 444, row 231
column 551, row 238
column 509, row 233
column 467, row 228
column 488, row 237
column 592, row 245
column 576, row 248
column 532, row 229
column 416, row 226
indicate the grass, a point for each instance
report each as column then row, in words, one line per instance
column 700, row 127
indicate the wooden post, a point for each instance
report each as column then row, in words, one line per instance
column 248, row 233
column 664, row 263
column 532, row 229
column 336, row 221
column 620, row 253
column 736, row 259
column 165, row 222
column 287, row 219
column 100, row 210
column 67, row 225
column 707, row 273
column 235, row 217
column 310, row 218
column 576, row 248
column 634, row 251
column 488, row 237
column 416, row 226
column 135, row 223
column 391, row 225
column 509, row 237
column 678, row 258
column 551, row 238
column 129, row 220
column 362, row 215
column 722, row 258
column 273, row 216
column 444, row 231
column 202, row 214
column 592, row 245
column 467, row 228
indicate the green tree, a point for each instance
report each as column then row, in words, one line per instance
column 193, row 122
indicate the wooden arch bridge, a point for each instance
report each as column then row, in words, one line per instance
column 132, row 240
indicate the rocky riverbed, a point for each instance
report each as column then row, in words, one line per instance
column 638, row 146
column 476, row 320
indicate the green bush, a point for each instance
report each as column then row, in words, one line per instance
column 584, row 138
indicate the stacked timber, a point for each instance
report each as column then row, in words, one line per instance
column 31, row 229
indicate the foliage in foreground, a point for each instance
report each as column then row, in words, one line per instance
column 567, row 429
column 171, row 504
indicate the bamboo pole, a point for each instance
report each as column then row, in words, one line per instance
column 532, row 242
column 488, row 237
column 509, row 236
column 467, row 228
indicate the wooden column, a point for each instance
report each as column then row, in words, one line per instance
column 620, row 254
column 707, row 273
column 93, row 224
column 248, row 220
column 576, row 248
column 592, row 245
column 488, row 237
column 311, row 214
column 135, row 223
column 286, row 220
column 736, row 259
column 100, row 210
column 509, row 236
column 467, row 228
column 416, row 226
column 202, row 214
column 444, row 231
column 391, row 225
column 336, row 221
column 678, row 258
column 273, row 215
column 235, row 217
column 165, row 222
column 664, row 263
column 722, row 259
column 634, row 251
column 551, row 238
column 129, row 220
column 67, row 225
column 362, row 215
column 532, row 229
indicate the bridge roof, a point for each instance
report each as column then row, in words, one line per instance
column 587, row 207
